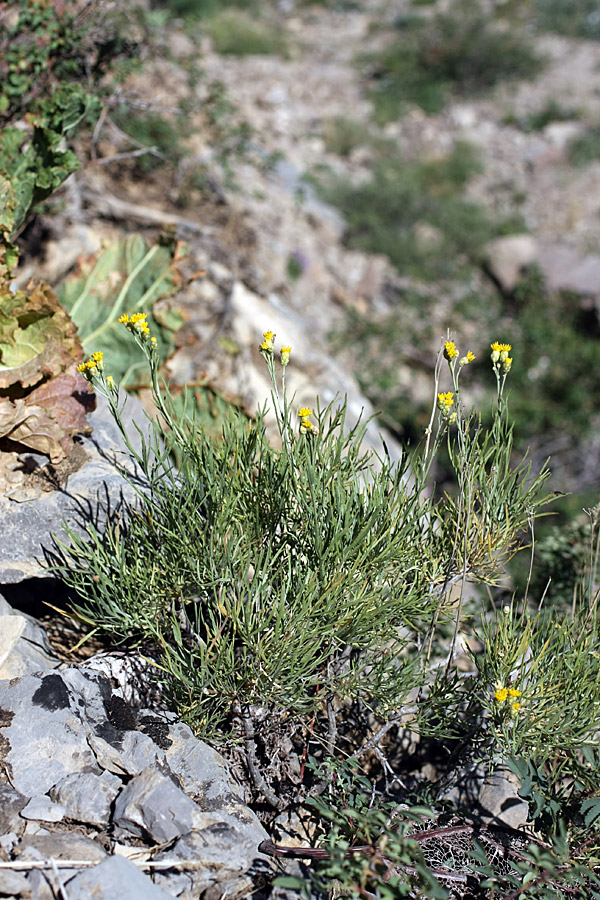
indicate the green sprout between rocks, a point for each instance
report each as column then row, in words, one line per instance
column 327, row 585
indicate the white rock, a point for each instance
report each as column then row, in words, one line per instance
column 508, row 258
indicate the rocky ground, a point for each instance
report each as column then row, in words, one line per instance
column 120, row 796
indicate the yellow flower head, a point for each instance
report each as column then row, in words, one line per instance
column 445, row 401
column 267, row 344
column 465, row 360
column 450, row 350
column 92, row 367
column 285, row 355
column 304, row 412
column 137, row 324
column 516, row 707
column 506, row 365
column 500, row 352
column 514, row 692
column 501, row 694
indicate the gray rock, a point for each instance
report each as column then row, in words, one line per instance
column 492, row 794
column 41, row 809
column 218, row 856
column 200, row 769
column 115, row 877
column 510, row 256
column 499, row 799
column 14, row 883
column 61, row 846
column 11, row 804
column 565, row 269
column 87, row 797
column 27, row 527
column 23, row 644
column 62, row 733
column 135, row 752
column 43, row 737
column 152, row 804
column 47, row 883
column 40, row 886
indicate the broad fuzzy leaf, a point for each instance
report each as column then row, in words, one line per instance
column 126, row 276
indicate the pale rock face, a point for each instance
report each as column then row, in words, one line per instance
column 79, row 757
column 510, row 257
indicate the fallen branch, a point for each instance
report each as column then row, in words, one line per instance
column 106, row 204
column 270, row 849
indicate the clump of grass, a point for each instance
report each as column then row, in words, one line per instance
column 202, row 9
column 585, row 148
column 573, row 18
column 462, row 50
column 552, row 111
column 415, row 213
column 342, row 135
column 236, row 33
column 161, row 135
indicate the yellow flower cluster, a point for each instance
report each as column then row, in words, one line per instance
column 450, row 350
column 306, row 426
column 450, row 353
column 500, row 357
column 502, row 694
column 445, row 403
column 92, row 367
column 267, row 344
column 138, row 324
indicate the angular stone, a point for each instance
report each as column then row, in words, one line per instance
column 200, row 769
column 61, row 846
column 14, row 883
column 11, row 629
column 115, row 877
column 137, row 751
column 510, row 256
column 499, row 799
column 57, row 846
column 24, row 647
column 41, row 809
column 11, row 804
column 87, row 797
column 220, row 854
column 564, row 269
column 27, row 527
column 42, row 738
column 152, row 804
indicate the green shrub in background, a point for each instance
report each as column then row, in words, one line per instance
column 461, row 50
column 342, row 135
column 585, row 148
column 238, row 33
column 205, row 8
column 415, row 213
column 574, row 18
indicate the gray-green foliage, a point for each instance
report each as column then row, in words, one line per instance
column 575, row 18
column 294, row 575
column 315, row 579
